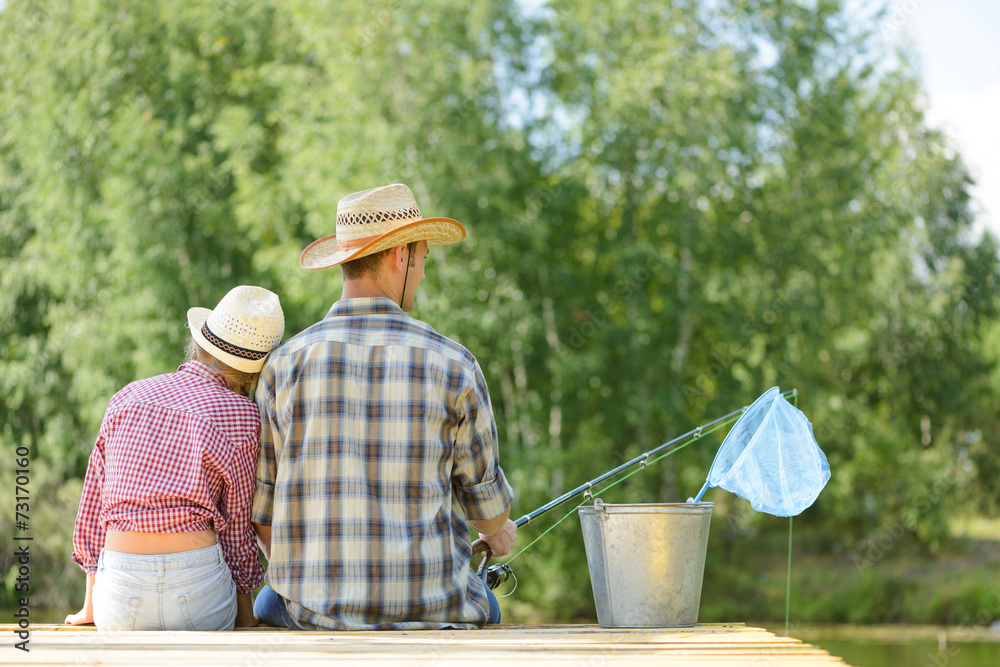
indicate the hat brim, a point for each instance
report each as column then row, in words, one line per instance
column 196, row 319
column 323, row 253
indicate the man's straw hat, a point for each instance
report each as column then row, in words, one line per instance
column 246, row 325
column 374, row 220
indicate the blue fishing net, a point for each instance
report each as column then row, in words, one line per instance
column 771, row 458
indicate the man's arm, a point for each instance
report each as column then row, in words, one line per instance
column 267, row 461
column 479, row 482
column 498, row 533
column 263, row 539
column 489, row 527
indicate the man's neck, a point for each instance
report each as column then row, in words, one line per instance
column 364, row 288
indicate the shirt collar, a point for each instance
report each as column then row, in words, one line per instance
column 201, row 370
column 376, row 305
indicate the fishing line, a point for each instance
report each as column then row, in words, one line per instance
column 515, row 588
column 788, row 580
column 644, row 461
column 700, row 433
column 788, row 575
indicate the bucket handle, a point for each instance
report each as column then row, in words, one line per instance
column 600, row 511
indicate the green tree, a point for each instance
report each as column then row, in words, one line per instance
column 671, row 207
column 131, row 136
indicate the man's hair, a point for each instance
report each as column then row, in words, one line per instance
column 369, row 265
column 239, row 381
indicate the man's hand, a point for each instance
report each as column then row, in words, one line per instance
column 502, row 542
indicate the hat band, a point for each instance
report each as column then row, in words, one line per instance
column 352, row 244
column 351, row 218
column 235, row 350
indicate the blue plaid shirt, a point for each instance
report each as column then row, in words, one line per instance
column 377, row 445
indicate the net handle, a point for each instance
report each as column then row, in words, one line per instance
column 794, row 393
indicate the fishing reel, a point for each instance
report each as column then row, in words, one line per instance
column 497, row 574
column 493, row 575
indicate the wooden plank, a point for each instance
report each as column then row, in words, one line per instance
column 557, row 645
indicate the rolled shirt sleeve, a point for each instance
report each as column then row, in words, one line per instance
column 88, row 533
column 266, row 465
column 480, row 485
column 237, row 538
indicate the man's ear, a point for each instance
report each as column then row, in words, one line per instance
column 398, row 257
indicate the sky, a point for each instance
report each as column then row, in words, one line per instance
column 958, row 42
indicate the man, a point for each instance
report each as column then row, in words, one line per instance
column 378, row 445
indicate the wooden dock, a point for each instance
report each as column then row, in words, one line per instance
column 719, row 645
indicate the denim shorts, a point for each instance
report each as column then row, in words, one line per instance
column 189, row 590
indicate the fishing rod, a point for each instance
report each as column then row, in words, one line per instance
column 495, row 575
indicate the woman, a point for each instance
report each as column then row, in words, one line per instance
column 163, row 530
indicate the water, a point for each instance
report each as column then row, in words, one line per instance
column 903, row 645
column 37, row 615
column 869, row 653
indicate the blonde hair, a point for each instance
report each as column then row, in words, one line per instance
column 238, row 381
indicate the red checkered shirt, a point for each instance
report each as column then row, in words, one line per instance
column 176, row 453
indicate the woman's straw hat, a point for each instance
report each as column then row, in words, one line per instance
column 246, row 325
column 374, row 220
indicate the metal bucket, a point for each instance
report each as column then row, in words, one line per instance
column 646, row 562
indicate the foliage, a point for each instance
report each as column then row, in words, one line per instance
column 904, row 586
column 671, row 207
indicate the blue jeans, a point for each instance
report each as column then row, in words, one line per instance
column 494, row 617
column 189, row 590
column 270, row 608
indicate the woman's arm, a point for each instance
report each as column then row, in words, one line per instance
column 237, row 537
column 86, row 615
column 88, row 535
column 244, row 611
